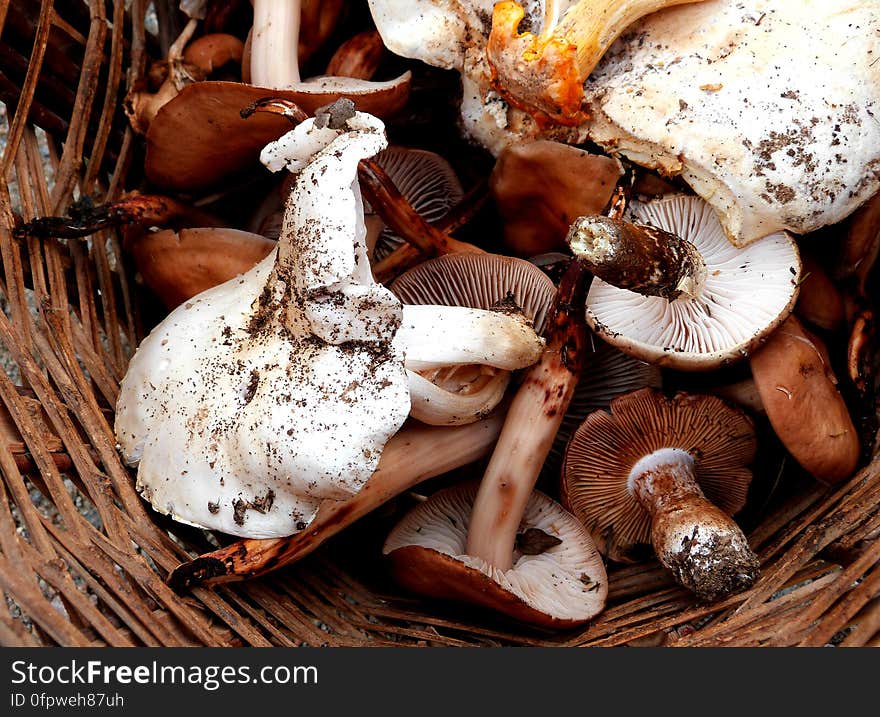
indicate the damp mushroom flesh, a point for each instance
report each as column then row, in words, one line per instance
column 544, row 72
column 671, row 290
column 668, row 472
column 257, row 399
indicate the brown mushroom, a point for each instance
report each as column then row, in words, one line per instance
column 541, row 187
column 358, row 56
column 177, row 265
column 670, row 472
column 799, row 393
column 819, row 301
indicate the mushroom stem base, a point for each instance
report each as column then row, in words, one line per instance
column 638, row 257
column 702, row 546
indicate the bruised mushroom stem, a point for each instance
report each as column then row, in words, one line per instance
column 704, row 548
column 84, row 218
column 638, row 257
column 533, row 420
column 400, row 215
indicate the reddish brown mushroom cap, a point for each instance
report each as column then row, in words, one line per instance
column 179, row 265
column 561, row 586
column 807, row 412
column 541, row 187
column 595, row 482
column 199, row 137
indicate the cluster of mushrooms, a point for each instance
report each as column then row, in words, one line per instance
column 325, row 359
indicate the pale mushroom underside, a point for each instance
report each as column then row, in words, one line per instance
column 566, row 582
column 746, row 294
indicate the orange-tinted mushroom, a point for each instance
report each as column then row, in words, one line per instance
column 544, row 73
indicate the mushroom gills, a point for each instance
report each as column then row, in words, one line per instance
column 564, row 585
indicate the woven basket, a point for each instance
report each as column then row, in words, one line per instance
column 83, row 560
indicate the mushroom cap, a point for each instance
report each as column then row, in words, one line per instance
column 257, row 399
column 747, row 293
column 759, row 106
column 603, row 450
column 199, row 137
column 804, row 407
column 177, row 265
column 563, row 586
column 426, row 180
column 541, row 187
column 426, row 30
column 480, row 281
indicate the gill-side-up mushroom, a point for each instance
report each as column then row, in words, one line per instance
column 557, row 578
column 256, row 400
column 671, row 290
column 667, row 472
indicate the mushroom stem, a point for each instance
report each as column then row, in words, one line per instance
column 414, row 454
column 275, row 43
column 400, row 215
column 638, row 257
column 439, row 406
column 136, row 209
column 546, row 72
column 533, row 420
column 408, row 255
column 436, row 336
column 704, row 548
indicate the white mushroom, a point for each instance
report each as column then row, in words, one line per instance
column 556, row 577
column 699, row 320
column 767, row 109
column 257, row 399
column 453, row 35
